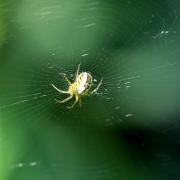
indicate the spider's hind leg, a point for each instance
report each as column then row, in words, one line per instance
column 80, row 102
column 77, row 72
column 96, row 89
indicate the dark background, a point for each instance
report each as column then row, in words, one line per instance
column 130, row 130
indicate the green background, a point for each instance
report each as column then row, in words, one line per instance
column 130, row 130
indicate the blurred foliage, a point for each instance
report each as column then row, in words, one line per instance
column 128, row 43
column 2, row 25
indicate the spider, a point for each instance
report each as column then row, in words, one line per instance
column 79, row 88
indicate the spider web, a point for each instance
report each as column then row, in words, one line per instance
column 131, row 125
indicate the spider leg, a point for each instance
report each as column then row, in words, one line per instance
column 77, row 99
column 77, row 72
column 65, row 100
column 65, row 77
column 96, row 89
column 63, row 92
column 80, row 103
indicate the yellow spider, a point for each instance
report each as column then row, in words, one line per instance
column 80, row 87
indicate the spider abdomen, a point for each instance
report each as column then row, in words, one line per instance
column 84, row 82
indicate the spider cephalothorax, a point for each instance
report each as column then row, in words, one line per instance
column 80, row 87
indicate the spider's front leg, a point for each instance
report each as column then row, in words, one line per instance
column 65, row 77
column 76, row 100
column 63, row 101
column 63, row 92
column 96, row 89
